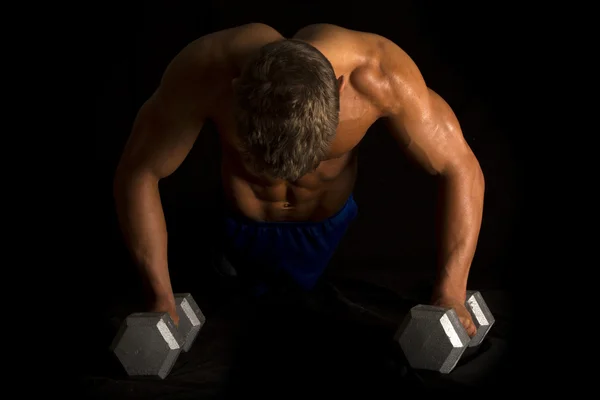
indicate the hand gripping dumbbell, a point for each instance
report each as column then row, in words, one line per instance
column 148, row 344
column 433, row 338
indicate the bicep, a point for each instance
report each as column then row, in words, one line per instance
column 429, row 131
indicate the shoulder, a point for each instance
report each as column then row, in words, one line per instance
column 224, row 48
column 240, row 38
column 389, row 76
column 203, row 69
column 313, row 30
column 333, row 37
column 214, row 59
column 384, row 73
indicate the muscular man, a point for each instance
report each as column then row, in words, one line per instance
column 290, row 114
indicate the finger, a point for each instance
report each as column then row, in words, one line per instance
column 469, row 327
column 472, row 330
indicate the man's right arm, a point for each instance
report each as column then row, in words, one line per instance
column 163, row 133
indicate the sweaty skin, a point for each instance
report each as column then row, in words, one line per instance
column 378, row 80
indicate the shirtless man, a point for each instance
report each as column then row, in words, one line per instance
column 290, row 114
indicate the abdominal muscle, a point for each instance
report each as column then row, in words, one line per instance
column 314, row 197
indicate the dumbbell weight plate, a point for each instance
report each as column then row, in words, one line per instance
column 191, row 319
column 432, row 338
column 147, row 344
column 481, row 315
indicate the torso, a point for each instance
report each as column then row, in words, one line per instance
column 320, row 194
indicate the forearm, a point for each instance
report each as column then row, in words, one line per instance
column 142, row 223
column 461, row 207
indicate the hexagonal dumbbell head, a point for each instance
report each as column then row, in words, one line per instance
column 191, row 319
column 482, row 317
column 147, row 344
column 432, row 338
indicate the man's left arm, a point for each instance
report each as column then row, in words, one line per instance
column 427, row 128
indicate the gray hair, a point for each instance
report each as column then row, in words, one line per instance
column 287, row 109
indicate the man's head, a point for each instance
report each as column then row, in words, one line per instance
column 287, row 109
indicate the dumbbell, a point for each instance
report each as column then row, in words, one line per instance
column 148, row 344
column 433, row 338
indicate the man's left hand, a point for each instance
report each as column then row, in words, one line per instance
column 461, row 311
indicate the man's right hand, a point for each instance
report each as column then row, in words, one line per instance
column 166, row 306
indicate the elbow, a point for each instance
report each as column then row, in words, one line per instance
column 127, row 179
column 120, row 184
column 479, row 177
column 472, row 176
column 121, row 178
column 466, row 174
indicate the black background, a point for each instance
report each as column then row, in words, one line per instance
column 465, row 52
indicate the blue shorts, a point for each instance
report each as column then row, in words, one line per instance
column 272, row 253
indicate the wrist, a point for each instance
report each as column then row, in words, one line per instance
column 449, row 292
column 158, row 290
column 160, row 299
column 163, row 304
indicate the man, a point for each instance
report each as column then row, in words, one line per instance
column 290, row 114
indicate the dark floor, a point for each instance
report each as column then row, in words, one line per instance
column 336, row 340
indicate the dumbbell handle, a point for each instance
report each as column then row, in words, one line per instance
column 480, row 314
